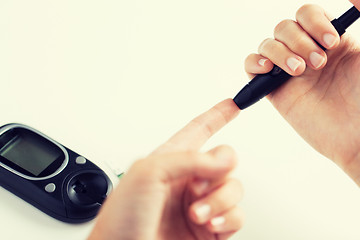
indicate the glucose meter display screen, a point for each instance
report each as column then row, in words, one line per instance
column 31, row 152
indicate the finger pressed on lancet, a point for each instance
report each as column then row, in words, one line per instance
column 356, row 3
column 200, row 129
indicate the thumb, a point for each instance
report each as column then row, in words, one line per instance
column 216, row 163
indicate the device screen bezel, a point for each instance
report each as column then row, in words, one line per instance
column 53, row 169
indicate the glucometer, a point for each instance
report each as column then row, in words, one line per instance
column 51, row 177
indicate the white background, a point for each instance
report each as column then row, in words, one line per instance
column 114, row 79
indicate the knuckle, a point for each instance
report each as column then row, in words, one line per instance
column 304, row 9
column 282, row 26
column 227, row 149
column 228, row 196
column 205, row 128
column 221, row 117
column 265, row 44
column 299, row 42
column 196, row 157
column 193, row 155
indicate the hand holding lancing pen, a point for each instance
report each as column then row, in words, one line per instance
column 322, row 101
column 178, row 193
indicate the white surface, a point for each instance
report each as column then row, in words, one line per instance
column 114, row 79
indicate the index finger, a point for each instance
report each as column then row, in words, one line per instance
column 200, row 129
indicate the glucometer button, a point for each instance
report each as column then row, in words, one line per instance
column 50, row 187
column 80, row 160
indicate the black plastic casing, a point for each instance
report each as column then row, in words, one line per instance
column 260, row 86
column 63, row 203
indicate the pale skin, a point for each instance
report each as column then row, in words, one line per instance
column 178, row 192
column 322, row 101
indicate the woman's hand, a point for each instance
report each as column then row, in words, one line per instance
column 178, row 193
column 322, row 101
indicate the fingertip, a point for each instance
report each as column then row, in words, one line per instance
column 199, row 187
column 216, row 224
column 262, row 62
column 228, row 109
column 265, row 65
column 257, row 64
column 199, row 213
column 317, row 60
column 331, row 40
column 295, row 65
column 226, row 155
column 230, row 221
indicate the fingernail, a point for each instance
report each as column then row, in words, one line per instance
column 293, row 63
column 217, row 221
column 200, row 186
column 329, row 40
column 202, row 212
column 316, row 59
column 262, row 62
